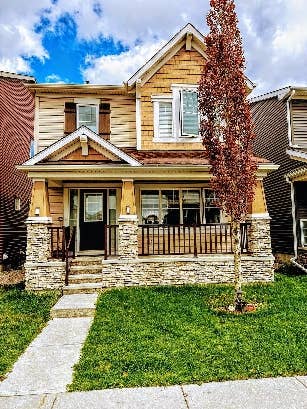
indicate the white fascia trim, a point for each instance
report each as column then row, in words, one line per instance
column 301, row 156
column 189, row 28
column 138, row 116
column 83, row 130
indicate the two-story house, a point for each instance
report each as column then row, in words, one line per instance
column 16, row 134
column 121, row 180
column 281, row 136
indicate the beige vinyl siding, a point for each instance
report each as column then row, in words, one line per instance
column 299, row 123
column 51, row 119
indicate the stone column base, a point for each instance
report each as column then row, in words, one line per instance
column 45, row 276
column 128, row 237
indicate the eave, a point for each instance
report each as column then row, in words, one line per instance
column 118, row 172
column 75, row 89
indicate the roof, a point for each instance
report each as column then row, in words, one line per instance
column 176, row 157
column 26, row 78
column 281, row 93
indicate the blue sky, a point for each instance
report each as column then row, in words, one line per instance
column 106, row 41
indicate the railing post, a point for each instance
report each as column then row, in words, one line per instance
column 195, row 241
column 105, row 242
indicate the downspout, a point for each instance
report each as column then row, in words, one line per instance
column 289, row 117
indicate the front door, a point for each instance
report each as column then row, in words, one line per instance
column 93, row 216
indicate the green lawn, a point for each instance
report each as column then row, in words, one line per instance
column 174, row 335
column 22, row 317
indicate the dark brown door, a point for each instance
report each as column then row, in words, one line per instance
column 93, row 216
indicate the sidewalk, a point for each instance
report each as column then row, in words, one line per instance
column 269, row 393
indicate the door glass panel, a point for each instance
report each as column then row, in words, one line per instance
column 73, row 207
column 93, row 210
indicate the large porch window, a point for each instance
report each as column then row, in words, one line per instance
column 179, row 206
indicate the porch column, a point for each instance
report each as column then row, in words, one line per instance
column 40, row 272
column 128, row 223
column 259, row 236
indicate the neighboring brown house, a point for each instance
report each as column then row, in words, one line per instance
column 124, row 168
column 16, row 134
column 281, row 136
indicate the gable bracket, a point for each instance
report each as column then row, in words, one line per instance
column 188, row 41
column 84, row 145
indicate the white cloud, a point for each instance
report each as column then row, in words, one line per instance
column 18, row 38
column 55, row 79
column 274, row 33
column 114, row 69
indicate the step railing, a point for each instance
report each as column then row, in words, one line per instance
column 62, row 245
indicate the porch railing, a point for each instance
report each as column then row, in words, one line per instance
column 161, row 239
column 110, row 240
column 62, row 245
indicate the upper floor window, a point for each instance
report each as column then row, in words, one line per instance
column 176, row 116
column 88, row 115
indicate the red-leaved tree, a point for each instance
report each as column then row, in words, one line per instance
column 225, row 121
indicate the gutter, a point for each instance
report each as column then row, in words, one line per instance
column 289, row 117
column 296, row 264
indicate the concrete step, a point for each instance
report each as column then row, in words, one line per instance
column 75, row 305
column 84, row 278
column 86, row 260
column 83, row 288
column 89, row 269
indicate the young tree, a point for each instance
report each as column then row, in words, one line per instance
column 225, row 122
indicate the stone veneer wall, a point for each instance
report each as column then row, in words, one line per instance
column 177, row 271
column 164, row 270
column 41, row 273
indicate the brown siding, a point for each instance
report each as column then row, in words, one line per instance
column 299, row 123
column 16, row 133
column 56, row 204
column 270, row 117
column 183, row 68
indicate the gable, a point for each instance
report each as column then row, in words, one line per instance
column 85, row 144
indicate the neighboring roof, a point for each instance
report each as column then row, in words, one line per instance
column 176, row 157
column 74, row 136
column 300, row 155
column 281, row 93
column 27, row 78
column 296, row 173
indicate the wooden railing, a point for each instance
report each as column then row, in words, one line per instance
column 110, row 240
column 62, row 245
column 161, row 239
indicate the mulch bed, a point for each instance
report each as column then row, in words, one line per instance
column 11, row 277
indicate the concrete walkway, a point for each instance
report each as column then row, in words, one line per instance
column 270, row 393
column 47, row 364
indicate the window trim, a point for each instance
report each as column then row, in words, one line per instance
column 175, row 99
column 97, row 115
column 303, row 240
column 159, row 189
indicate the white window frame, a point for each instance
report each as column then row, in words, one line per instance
column 177, row 113
column 175, row 99
column 303, row 238
column 157, row 99
column 97, row 114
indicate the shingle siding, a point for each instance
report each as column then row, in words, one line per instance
column 271, row 127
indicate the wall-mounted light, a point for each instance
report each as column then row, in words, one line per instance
column 17, row 204
column 37, row 211
column 127, row 209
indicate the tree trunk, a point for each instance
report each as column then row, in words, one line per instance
column 236, row 235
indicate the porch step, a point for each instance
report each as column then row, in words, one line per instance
column 85, row 278
column 82, row 288
column 86, row 269
column 75, row 305
column 87, row 260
